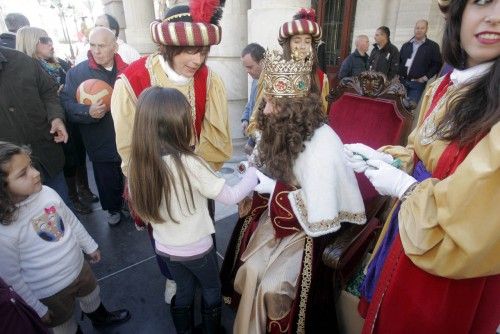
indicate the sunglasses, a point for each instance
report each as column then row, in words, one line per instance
column 45, row 40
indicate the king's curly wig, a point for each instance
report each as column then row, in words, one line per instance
column 285, row 131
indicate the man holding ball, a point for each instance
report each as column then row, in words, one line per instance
column 93, row 116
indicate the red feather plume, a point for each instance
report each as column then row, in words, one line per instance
column 305, row 14
column 203, row 10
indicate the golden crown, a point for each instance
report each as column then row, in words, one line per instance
column 286, row 78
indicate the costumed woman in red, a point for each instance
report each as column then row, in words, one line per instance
column 436, row 267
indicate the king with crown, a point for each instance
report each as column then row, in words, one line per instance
column 273, row 271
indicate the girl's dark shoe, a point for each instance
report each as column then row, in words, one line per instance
column 87, row 196
column 80, row 207
column 102, row 317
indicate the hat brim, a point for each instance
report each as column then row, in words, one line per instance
column 299, row 27
column 185, row 33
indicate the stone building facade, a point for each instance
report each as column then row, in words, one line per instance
column 246, row 21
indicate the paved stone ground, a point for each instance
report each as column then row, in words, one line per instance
column 129, row 276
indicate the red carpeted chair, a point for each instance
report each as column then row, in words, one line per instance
column 370, row 110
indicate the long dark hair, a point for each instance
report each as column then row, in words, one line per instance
column 162, row 126
column 7, row 205
column 286, row 130
column 474, row 108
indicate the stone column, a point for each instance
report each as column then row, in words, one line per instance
column 266, row 16
column 138, row 16
column 225, row 60
column 115, row 9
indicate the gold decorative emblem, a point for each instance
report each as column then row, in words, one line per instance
column 291, row 78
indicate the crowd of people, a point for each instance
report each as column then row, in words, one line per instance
column 156, row 146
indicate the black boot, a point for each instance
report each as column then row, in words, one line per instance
column 183, row 318
column 211, row 320
column 78, row 206
column 102, row 317
column 82, row 183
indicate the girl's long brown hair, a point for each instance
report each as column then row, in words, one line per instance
column 163, row 126
column 285, row 131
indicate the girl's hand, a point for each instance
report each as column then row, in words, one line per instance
column 95, row 256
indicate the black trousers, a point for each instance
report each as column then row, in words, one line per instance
column 109, row 180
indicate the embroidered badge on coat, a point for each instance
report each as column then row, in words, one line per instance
column 49, row 226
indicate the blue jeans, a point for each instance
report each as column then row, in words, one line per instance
column 188, row 274
column 58, row 183
column 414, row 89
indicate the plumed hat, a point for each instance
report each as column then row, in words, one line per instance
column 193, row 25
column 304, row 22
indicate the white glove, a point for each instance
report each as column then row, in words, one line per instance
column 388, row 180
column 369, row 153
column 355, row 161
column 266, row 184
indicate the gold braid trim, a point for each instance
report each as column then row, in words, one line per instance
column 289, row 216
column 327, row 224
column 305, row 285
column 240, row 237
column 277, row 323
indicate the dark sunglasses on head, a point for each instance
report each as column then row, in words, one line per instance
column 45, row 40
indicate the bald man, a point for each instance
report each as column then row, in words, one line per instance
column 420, row 60
column 357, row 61
column 95, row 122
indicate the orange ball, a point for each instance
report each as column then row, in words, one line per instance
column 92, row 90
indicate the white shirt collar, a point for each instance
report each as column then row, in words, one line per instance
column 171, row 74
column 461, row 77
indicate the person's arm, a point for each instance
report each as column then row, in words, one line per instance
column 215, row 145
column 123, row 102
column 346, row 68
column 250, row 103
column 245, row 116
column 76, row 112
column 325, row 90
column 394, row 63
column 259, row 95
column 329, row 192
column 47, row 89
column 10, row 271
column 449, row 227
column 436, row 61
column 233, row 195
